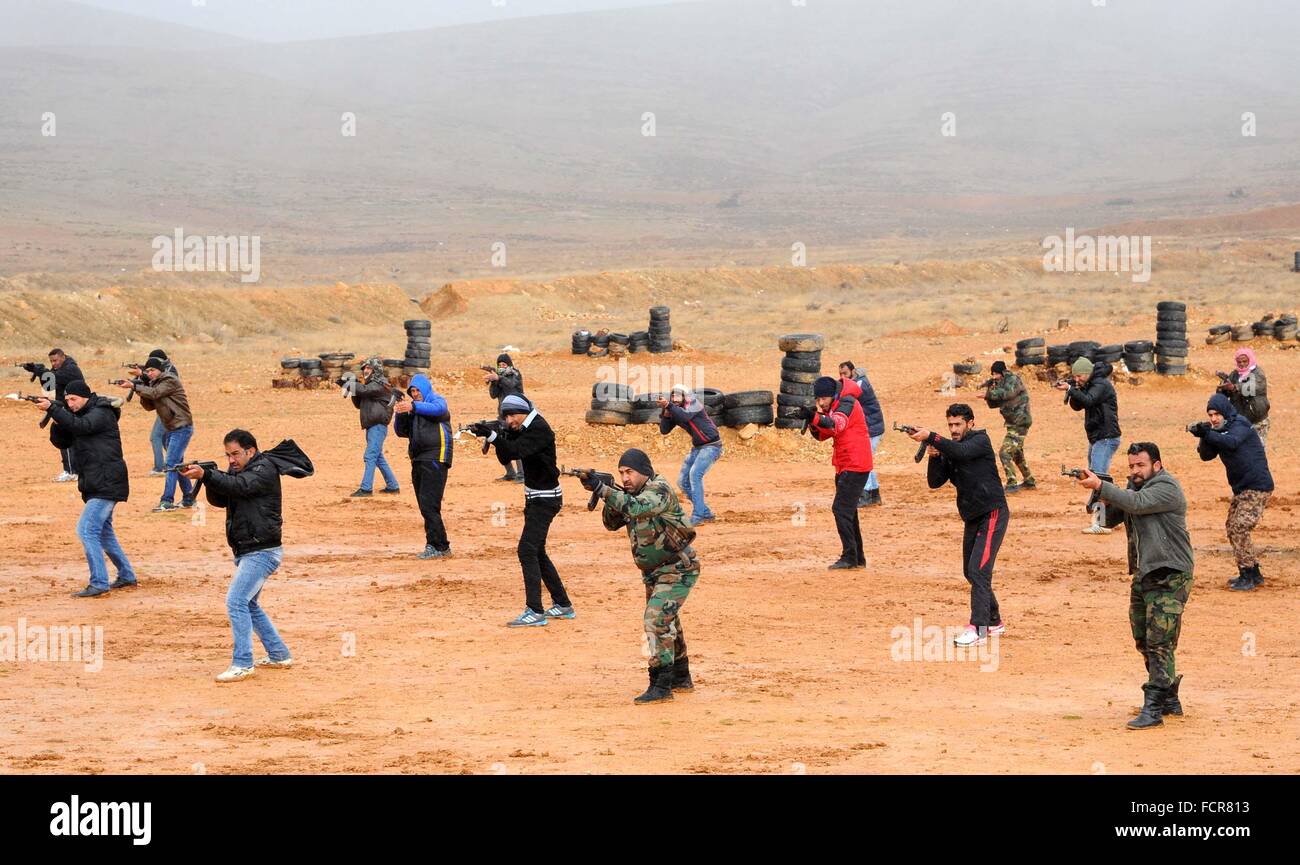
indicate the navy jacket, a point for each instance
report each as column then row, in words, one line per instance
column 694, row 418
column 870, row 406
column 1240, row 448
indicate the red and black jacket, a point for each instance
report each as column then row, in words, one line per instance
column 847, row 425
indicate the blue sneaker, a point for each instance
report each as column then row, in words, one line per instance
column 558, row 612
column 528, row 619
column 429, row 553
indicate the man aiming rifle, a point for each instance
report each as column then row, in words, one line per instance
column 61, row 372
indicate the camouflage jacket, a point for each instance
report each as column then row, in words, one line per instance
column 656, row 524
column 1010, row 397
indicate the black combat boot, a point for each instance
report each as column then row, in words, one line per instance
column 864, row 499
column 1241, row 578
column 682, row 675
column 1151, row 709
column 1172, row 706
column 1256, row 576
column 1248, row 580
column 661, row 686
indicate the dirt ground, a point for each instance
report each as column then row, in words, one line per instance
column 798, row 669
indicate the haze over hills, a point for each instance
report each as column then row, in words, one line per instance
column 773, row 124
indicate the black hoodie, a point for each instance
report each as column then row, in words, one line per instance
column 1098, row 402
column 251, row 496
column 96, row 445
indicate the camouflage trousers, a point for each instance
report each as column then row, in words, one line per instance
column 665, row 592
column 1155, row 613
column 1012, row 454
column 1262, row 429
column 1243, row 515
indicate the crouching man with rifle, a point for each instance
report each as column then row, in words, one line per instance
column 661, row 537
column 524, row 435
column 250, row 493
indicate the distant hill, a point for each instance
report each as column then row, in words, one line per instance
column 57, row 23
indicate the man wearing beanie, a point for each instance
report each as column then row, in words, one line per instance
column 506, row 381
column 528, row 438
column 967, row 461
column 158, row 434
column 1007, row 393
column 1091, row 392
column 661, row 539
column 839, row 417
column 86, row 424
column 1229, row 436
column 164, row 394
column 375, row 398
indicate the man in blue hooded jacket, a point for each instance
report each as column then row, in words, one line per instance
column 424, row 420
column 1229, row 436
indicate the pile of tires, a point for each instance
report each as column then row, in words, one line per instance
column 639, row 340
column 748, row 406
column 581, row 342
column 290, row 363
column 1263, row 327
column 1171, row 337
column 1110, row 354
column 800, row 367
column 1031, row 352
column 1140, row 356
column 418, row 345
column 660, row 335
column 335, row 363
column 611, row 404
column 310, row 367
column 1219, row 334
column 1081, row 348
column 1058, row 354
column 1243, row 333
column 1285, row 328
column 645, row 408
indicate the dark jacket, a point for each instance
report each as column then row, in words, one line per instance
column 534, row 444
column 1250, row 398
column 252, row 501
column 166, row 395
column 972, row 466
column 694, row 419
column 428, row 427
column 66, row 375
column 375, row 398
column 1155, row 518
column 96, row 444
column 1099, row 404
column 1240, row 448
column 870, row 405
column 511, row 381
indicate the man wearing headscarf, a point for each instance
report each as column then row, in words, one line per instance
column 375, row 399
column 683, row 409
column 1247, row 388
column 506, row 381
column 1228, row 435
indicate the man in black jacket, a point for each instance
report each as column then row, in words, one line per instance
column 62, row 372
column 375, row 398
column 1091, row 392
column 85, row 425
column 1229, row 436
column 968, row 461
column 506, row 381
column 527, row 437
column 250, row 492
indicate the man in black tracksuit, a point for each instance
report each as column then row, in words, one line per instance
column 424, row 419
column 527, row 437
column 970, row 463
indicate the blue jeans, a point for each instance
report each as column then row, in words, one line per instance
column 156, row 438
column 246, row 616
column 176, row 441
column 691, row 479
column 872, row 482
column 1100, row 454
column 375, row 436
column 95, row 529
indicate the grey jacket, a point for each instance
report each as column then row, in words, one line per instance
column 1155, row 518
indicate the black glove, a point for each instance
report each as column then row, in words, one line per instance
column 1199, row 429
column 480, row 429
column 806, row 413
column 591, row 483
column 30, row 367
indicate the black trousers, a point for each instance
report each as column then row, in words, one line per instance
column 979, row 547
column 66, row 455
column 536, row 564
column 429, row 478
column 848, row 487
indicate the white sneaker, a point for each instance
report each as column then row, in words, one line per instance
column 969, row 637
column 64, row 477
column 1096, row 530
column 274, row 665
column 994, row 630
column 235, row 674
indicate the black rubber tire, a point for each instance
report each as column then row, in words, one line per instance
column 612, row 392
column 799, row 377
column 801, row 342
column 967, row 368
column 1145, row 366
column 1171, row 306
column 787, row 423
column 709, row 394
column 659, row 349
column 1032, row 351
column 759, row 414
column 796, row 365
column 660, row 310
column 1082, row 347
column 744, row 398
column 1177, row 343
column 1221, row 328
column 290, row 362
column 1031, row 361
column 1139, row 346
column 793, row 399
column 790, row 388
column 620, row 338
column 804, row 355
column 1166, row 369
column 614, row 405
column 607, row 417
column 1218, row 338
column 418, row 324
column 644, row 415
column 1032, row 342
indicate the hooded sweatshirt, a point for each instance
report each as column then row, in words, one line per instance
column 692, row 417
column 428, row 427
column 96, row 445
column 1240, row 448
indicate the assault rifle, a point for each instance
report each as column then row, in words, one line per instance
column 1079, row 474
column 909, row 430
column 482, row 429
column 591, row 474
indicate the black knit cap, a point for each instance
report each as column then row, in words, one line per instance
column 825, row 386
column 158, row 352
column 637, row 461
column 999, row 366
column 78, row 388
column 154, row 363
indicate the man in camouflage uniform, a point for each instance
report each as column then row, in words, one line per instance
column 1007, row 393
column 1154, row 512
column 661, row 538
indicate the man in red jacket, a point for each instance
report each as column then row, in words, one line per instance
column 839, row 416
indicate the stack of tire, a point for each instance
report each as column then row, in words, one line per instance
column 1110, row 354
column 659, row 338
column 1219, row 334
column 715, row 401
column 335, row 363
column 611, row 404
column 1243, row 333
column 1031, row 352
column 1140, row 355
column 639, row 340
column 1171, row 337
column 1263, row 327
column 581, row 341
column 645, row 408
column 1057, row 354
column 746, row 407
column 418, row 345
column 618, row 344
column 800, row 367
column 310, row 368
column 1081, row 348
column 1284, row 329
column 601, row 342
